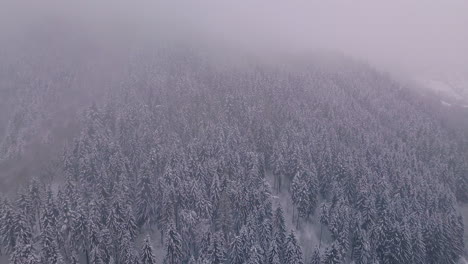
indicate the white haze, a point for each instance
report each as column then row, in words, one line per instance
column 406, row 36
column 413, row 37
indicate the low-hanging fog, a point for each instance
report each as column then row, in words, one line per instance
column 231, row 132
column 408, row 36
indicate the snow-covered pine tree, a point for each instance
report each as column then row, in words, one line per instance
column 236, row 251
column 106, row 246
column 360, row 251
column 279, row 227
column 265, row 235
column 145, row 202
column 217, row 250
column 333, row 254
column 417, row 245
column 273, row 254
column 173, row 246
column 130, row 223
column 24, row 253
column 22, row 230
column 25, row 204
column 278, row 165
column 115, row 221
column 95, row 255
column 74, row 259
column 7, row 228
column 316, row 258
column 126, row 249
column 293, row 252
column 147, row 254
column 79, row 236
column 255, row 255
column 300, row 195
column 50, row 252
column 35, row 194
column 192, row 260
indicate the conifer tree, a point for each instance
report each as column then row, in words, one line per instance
column 280, row 233
column 293, row 252
column 205, row 246
column 22, row 230
column 173, row 246
column 25, row 204
column 35, row 194
column 7, row 228
column 360, row 247
column 147, row 255
column 50, row 251
column 300, row 195
column 80, row 232
column 273, row 254
column 74, row 259
column 265, row 235
column 192, row 260
column 146, row 211
column 236, row 251
column 217, row 250
column 126, row 249
column 333, row 254
column 24, row 253
column 255, row 256
column 316, row 259
column 95, row 255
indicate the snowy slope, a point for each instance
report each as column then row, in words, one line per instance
column 451, row 87
column 441, row 88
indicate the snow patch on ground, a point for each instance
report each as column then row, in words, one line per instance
column 445, row 103
column 441, row 88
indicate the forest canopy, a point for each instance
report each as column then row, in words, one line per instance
column 181, row 159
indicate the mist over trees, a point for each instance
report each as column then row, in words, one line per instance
column 242, row 132
column 180, row 159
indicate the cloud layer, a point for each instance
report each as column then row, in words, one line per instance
column 413, row 36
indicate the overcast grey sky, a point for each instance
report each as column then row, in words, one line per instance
column 408, row 35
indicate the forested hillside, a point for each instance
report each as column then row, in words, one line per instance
column 180, row 159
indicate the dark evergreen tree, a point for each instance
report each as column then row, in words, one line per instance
column 255, row 255
column 95, row 255
column 24, row 254
column 265, row 235
column 35, row 194
column 293, row 252
column 316, row 258
column 273, row 254
column 50, row 251
column 22, row 230
column 217, row 250
column 7, row 228
column 147, row 255
column 173, row 247
column 236, row 251
column 146, row 211
column 333, row 254
column 280, row 232
column 74, row 259
column 25, row 204
column 300, row 195
column 126, row 249
column 80, row 232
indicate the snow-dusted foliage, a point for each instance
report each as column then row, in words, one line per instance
column 184, row 152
